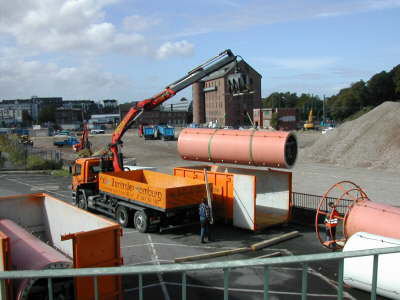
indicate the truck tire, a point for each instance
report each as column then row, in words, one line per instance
column 81, row 202
column 141, row 221
column 122, row 215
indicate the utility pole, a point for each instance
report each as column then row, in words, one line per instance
column 323, row 111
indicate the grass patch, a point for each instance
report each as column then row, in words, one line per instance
column 61, row 172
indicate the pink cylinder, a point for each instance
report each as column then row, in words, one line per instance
column 375, row 218
column 248, row 147
column 30, row 253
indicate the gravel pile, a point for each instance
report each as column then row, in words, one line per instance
column 371, row 141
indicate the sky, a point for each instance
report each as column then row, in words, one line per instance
column 130, row 50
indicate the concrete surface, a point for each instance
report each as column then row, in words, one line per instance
column 162, row 248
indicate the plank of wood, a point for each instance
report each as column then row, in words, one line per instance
column 211, row 255
column 209, row 196
column 267, row 255
column 275, row 240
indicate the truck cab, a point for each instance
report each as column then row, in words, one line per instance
column 85, row 177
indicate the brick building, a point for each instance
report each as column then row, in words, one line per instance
column 287, row 118
column 157, row 116
column 215, row 99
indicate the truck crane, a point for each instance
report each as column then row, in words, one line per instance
column 193, row 76
column 93, row 175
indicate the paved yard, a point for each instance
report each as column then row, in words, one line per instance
column 162, row 248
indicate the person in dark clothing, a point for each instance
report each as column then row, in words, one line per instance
column 205, row 218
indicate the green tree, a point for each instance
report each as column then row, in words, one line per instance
column 380, row 88
column 47, row 114
column 395, row 73
column 274, row 120
column 26, row 118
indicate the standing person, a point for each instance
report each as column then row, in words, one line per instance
column 331, row 221
column 140, row 131
column 204, row 213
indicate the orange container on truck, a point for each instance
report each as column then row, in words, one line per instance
column 147, row 199
column 248, row 198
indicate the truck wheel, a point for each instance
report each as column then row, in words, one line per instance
column 122, row 216
column 81, row 201
column 141, row 221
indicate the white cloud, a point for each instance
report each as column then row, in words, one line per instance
column 264, row 12
column 25, row 78
column 76, row 26
column 139, row 23
column 169, row 49
column 300, row 63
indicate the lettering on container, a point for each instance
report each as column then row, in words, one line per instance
column 144, row 192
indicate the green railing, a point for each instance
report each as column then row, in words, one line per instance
column 226, row 266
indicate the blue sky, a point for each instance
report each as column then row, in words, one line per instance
column 131, row 49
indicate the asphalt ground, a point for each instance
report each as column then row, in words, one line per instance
column 162, row 248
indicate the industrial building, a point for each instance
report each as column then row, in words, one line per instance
column 286, row 118
column 11, row 111
column 215, row 101
column 158, row 116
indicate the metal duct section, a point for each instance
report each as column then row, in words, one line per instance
column 358, row 270
column 374, row 218
column 30, row 253
column 247, row 147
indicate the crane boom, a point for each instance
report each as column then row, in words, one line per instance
column 210, row 66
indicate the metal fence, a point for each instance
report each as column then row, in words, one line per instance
column 226, row 266
column 311, row 202
column 24, row 153
column 54, row 155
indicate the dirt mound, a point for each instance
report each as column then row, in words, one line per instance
column 371, row 141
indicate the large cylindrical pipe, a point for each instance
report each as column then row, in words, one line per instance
column 248, row 147
column 374, row 218
column 30, row 253
column 358, row 270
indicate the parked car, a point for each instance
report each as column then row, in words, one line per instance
column 324, row 131
column 62, row 133
column 69, row 141
column 97, row 131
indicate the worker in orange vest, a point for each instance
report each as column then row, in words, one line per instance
column 331, row 221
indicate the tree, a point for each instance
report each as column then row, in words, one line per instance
column 274, row 120
column 381, row 88
column 26, row 118
column 47, row 114
column 395, row 73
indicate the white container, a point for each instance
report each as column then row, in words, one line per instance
column 358, row 270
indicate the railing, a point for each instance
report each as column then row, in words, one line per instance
column 308, row 201
column 226, row 266
column 54, row 155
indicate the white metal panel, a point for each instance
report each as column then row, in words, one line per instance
column 272, row 189
column 23, row 210
column 61, row 218
column 358, row 270
column 243, row 201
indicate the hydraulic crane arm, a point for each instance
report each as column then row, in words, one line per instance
column 193, row 76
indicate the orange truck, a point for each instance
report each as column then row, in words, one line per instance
column 149, row 200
